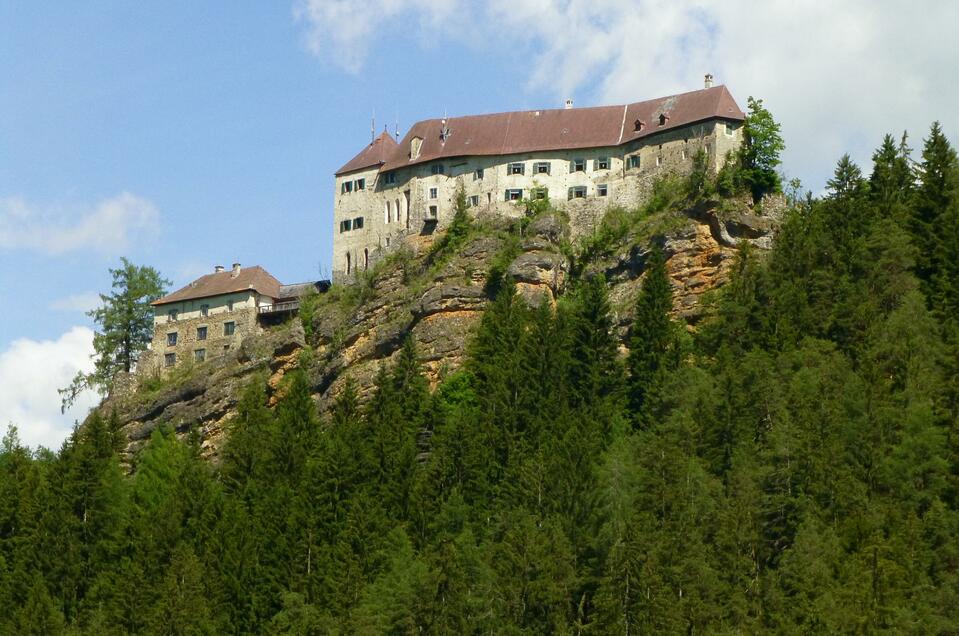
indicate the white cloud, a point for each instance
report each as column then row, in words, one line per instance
column 837, row 75
column 77, row 302
column 31, row 371
column 342, row 32
column 110, row 227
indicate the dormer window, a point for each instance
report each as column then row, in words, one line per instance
column 663, row 119
column 416, row 144
column 638, row 125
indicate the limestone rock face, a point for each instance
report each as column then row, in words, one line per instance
column 437, row 304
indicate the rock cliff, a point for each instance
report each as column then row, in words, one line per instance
column 436, row 292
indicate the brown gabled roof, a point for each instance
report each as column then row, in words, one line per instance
column 558, row 129
column 375, row 154
column 250, row 278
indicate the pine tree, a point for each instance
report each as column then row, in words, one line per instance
column 935, row 192
column 891, row 181
column 653, row 343
column 126, row 327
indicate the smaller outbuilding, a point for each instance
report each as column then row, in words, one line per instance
column 212, row 314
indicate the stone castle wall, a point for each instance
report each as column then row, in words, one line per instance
column 393, row 211
column 215, row 345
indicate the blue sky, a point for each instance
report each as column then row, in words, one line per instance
column 186, row 134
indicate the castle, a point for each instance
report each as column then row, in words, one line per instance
column 583, row 160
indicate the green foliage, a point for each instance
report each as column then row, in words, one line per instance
column 308, row 308
column 760, row 154
column 788, row 467
column 654, row 341
column 458, row 232
column 125, row 321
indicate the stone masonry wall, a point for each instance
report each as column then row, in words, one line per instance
column 216, row 343
column 392, row 212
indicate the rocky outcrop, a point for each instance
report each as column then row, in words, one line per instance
column 438, row 303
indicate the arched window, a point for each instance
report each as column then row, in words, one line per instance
column 366, row 259
column 347, row 263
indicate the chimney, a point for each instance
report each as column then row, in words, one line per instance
column 236, row 270
column 217, row 269
column 569, row 104
column 709, row 80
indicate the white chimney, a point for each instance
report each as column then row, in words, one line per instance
column 217, row 269
column 236, row 270
column 569, row 104
column 709, row 80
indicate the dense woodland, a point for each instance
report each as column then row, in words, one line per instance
column 791, row 466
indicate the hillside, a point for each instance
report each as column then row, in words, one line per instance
column 532, row 427
column 436, row 292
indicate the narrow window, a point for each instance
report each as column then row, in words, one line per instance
column 199, row 355
column 229, row 305
column 171, row 339
column 229, row 328
column 204, row 310
column 201, row 333
column 477, row 174
column 514, row 194
column 684, row 154
column 169, row 359
column 433, row 212
column 602, row 190
column 577, row 192
column 366, row 258
column 659, row 160
column 601, row 164
column 347, row 263
column 434, row 193
column 437, row 168
column 361, row 184
column 516, row 168
column 474, row 201
column 396, row 206
column 358, row 223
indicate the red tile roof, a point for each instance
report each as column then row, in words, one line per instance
column 375, row 154
column 250, row 278
column 555, row 129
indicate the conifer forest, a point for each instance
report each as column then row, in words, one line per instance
column 789, row 466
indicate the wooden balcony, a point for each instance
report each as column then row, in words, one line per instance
column 278, row 308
